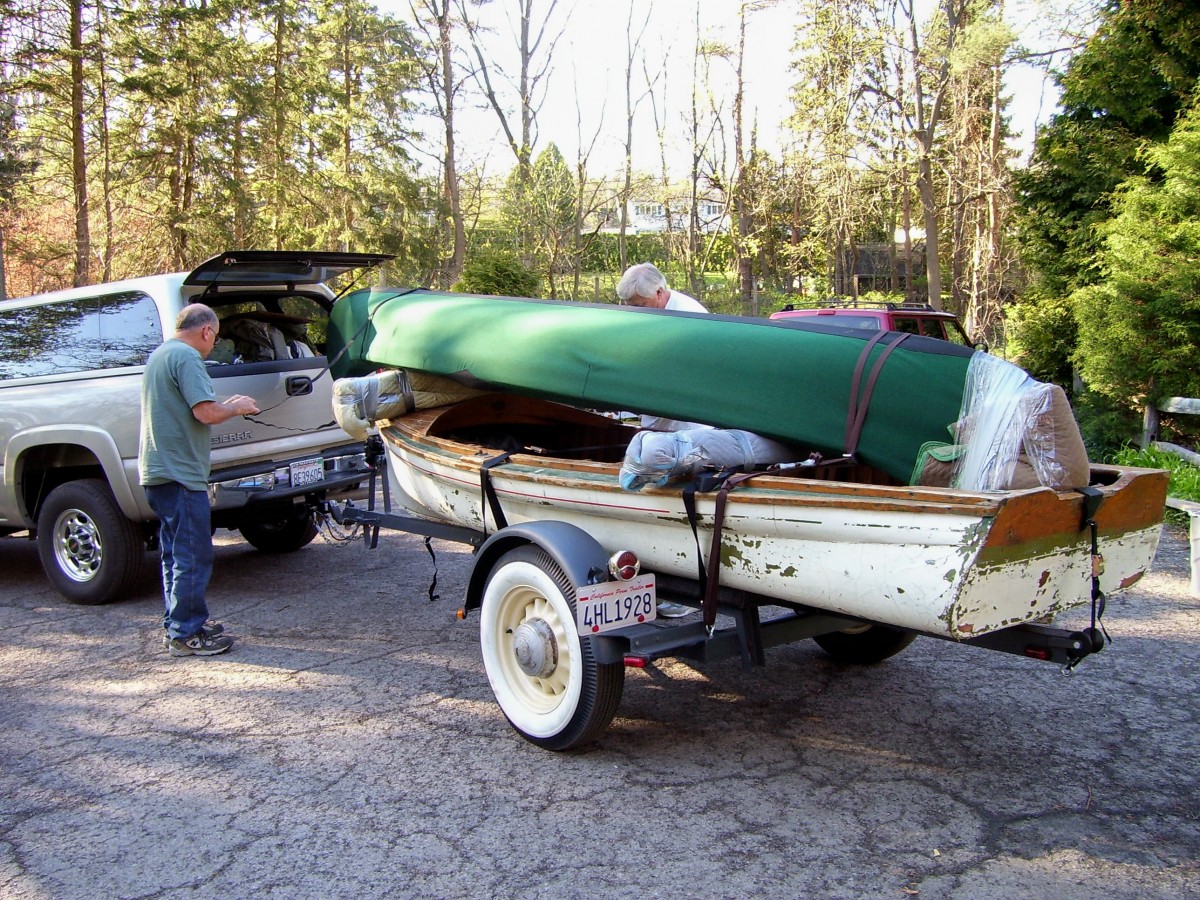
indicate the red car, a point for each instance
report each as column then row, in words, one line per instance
column 914, row 318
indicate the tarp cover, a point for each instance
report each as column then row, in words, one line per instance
column 781, row 379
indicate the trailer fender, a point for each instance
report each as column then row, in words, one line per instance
column 578, row 553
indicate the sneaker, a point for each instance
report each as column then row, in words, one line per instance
column 669, row 610
column 210, row 628
column 202, row 643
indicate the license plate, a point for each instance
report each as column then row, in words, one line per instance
column 308, row 471
column 615, row 604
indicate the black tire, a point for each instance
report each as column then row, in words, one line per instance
column 285, row 535
column 91, row 552
column 571, row 699
column 865, row 646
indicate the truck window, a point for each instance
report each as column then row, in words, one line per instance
column 956, row 335
column 106, row 332
column 933, row 328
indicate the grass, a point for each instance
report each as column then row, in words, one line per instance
column 1185, row 477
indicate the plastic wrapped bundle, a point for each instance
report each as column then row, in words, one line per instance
column 658, row 457
column 1015, row 432
column 360, row 402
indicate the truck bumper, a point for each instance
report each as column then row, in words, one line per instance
column 334, row 473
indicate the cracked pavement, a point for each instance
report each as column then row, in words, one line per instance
column 349, row 746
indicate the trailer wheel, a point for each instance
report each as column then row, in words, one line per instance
column 90, row 551
column 545, row 679
column 866, row 644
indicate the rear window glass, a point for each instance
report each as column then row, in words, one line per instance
column 864, row 323
column 111, row 331
column 907, row 324
column 933, row 328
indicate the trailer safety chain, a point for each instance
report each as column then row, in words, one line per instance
column 332, row 531
column 1097, row 633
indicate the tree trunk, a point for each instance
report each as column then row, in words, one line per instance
column 741, row 207
column 278, row 149
column 451, row 189
column 910, row 291
column 83, row 239
column 929, row 211
column 105, row 144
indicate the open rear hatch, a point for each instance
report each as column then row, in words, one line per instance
column 247, row 268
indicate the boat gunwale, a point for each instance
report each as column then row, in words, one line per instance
column 781, row 490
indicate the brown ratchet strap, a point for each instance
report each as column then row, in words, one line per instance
column 856, row 415
column 712, row 580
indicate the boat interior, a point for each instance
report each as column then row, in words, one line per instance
column 515, row 424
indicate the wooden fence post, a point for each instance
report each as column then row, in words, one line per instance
column 1149, row 426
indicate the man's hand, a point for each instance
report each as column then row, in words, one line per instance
column 214, row 412
column 241, row 405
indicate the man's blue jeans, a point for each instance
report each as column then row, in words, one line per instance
column 185, row 539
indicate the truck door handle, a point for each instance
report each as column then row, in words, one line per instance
column 298, row 385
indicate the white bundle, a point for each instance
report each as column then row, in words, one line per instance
column 655, row 457
column 1017, row 432
column 360, row 402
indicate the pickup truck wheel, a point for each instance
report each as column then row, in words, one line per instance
column 286, row 535
column 865, row 645
column 546, row 680
column 89, row 549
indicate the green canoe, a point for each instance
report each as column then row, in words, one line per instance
column 791, row 381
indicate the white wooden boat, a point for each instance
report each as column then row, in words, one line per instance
column 931, row 560
column 853, row 560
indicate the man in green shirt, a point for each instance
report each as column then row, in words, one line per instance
column 179, row 408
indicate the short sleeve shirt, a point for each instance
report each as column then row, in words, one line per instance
column 175, row 446
column 683, row 303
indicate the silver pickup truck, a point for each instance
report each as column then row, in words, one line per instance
column 71, row 366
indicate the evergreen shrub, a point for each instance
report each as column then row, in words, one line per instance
column 498, row 272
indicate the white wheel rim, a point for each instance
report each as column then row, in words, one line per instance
column 519, row 593
column 77, row 545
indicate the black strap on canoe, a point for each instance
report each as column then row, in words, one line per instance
column 856, row 415
column 404, row 385
column 489, row 492
column 1092, row 498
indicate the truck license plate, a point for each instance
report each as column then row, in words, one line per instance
column 307, row 471
column 615, row 604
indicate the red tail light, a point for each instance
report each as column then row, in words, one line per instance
column 624, row 565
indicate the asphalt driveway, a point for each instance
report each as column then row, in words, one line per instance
column 349, row 746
